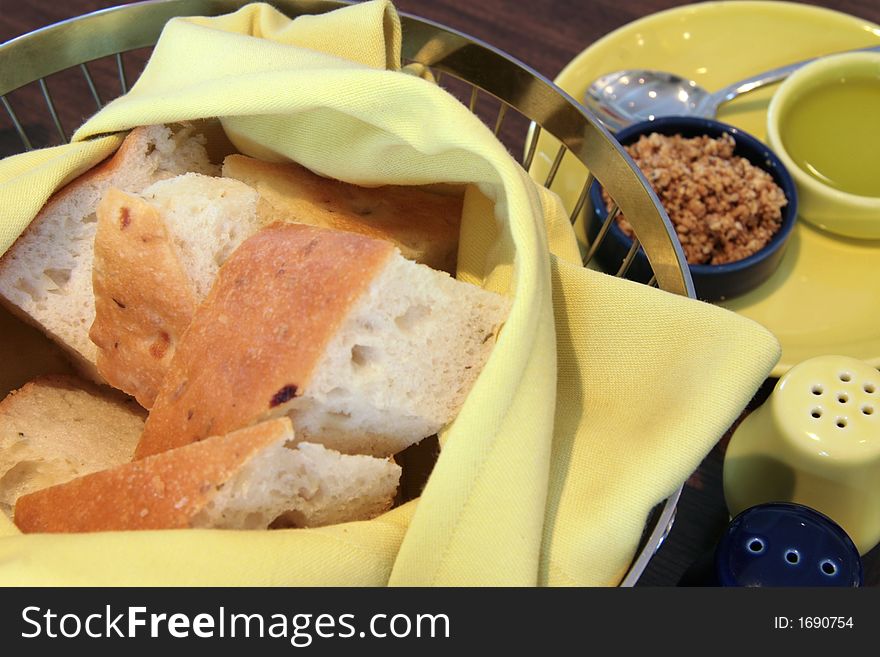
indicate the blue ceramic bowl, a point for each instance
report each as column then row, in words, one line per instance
column 711, row 282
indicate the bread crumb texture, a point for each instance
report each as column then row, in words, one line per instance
column 57, row 428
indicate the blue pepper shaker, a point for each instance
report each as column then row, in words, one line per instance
column 786, row 544
column 780, row 544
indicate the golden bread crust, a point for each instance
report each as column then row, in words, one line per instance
column 165, row 491
column 144, row 299
column 255, row 341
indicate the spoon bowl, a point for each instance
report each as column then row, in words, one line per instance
column 622, row 98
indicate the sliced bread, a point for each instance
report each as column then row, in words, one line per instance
column 243, row 480
column 367, row 352
column 57, row 428
column 157, row 253
column 156, row 257
column 46, row 277
column 422, row 223
column 144, row 298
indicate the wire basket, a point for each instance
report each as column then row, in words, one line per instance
column 85, row 61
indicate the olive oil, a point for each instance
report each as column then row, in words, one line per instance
column 833, row 133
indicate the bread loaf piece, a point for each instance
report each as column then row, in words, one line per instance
column 243, row 480
column 57, row 428
column 46, row 277
column 156, row 257
column 146, row 290
column 366, row 351
column 423, row 224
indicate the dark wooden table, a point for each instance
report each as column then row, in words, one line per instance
column 546, row 35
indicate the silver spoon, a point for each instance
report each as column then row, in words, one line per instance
column 624, row 97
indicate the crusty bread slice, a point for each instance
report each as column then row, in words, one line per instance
column 243, row 480
column 208, row 218
column 326, row 488
column 156, row 257
column 142, row 288
column 46, row 276
column 144, row 298
column 367, row 352
column 422, row 223
column 57, row 428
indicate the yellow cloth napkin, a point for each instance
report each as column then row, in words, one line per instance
column 600, row 398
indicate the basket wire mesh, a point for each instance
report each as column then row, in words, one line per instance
column 89, row 61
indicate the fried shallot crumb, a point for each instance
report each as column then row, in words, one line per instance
column 723, row 208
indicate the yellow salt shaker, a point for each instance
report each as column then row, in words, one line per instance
column 815, row 441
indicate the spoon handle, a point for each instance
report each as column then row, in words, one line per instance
column 710, row 104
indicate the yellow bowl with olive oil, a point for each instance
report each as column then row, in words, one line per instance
column 824, row 124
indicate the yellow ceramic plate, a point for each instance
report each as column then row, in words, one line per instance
column 825, row 297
